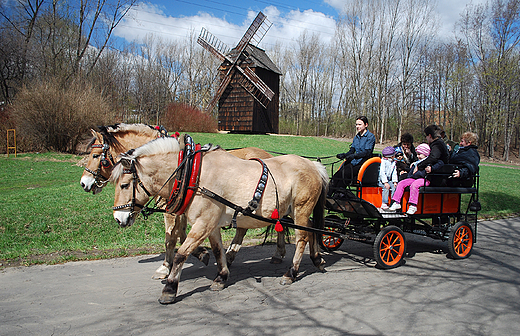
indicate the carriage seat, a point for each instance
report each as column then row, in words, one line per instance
column 442, row 182
column 368, row 175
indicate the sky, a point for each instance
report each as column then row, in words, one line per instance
column 228, row 20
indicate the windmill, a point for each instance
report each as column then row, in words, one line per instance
column 239, row 74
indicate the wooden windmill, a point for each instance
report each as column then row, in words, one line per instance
column 248, row 94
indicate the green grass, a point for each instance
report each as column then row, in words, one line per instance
column 45, row 216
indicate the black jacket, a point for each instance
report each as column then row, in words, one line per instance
column 467, row 160
column 438, row 151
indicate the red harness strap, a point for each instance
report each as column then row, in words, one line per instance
column 194, row 180
column 184, row 188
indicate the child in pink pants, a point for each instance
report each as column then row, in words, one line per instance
column 415, row 180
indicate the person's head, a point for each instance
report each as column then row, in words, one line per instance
column 361, row 124
column 406, row 140
column 423, row 150
column 432, row 132
column 388, row 152
column 468, row 138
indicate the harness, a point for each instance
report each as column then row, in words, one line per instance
column 136, row 181
column 186, row 182
column 99, row 179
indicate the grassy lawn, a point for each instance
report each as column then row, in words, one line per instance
column 47, row 217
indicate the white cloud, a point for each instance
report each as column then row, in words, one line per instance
column 150, row 19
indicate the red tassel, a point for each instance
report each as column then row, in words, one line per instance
column 157, row 127
column 275, row 214
column 278, row 227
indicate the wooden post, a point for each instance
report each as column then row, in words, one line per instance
column 13, row 131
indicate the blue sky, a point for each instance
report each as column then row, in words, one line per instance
column 228, row 20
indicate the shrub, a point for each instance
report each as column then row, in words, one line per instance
column 56, row 116
column 185, row 118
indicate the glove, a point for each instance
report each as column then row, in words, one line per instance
column 342, row 156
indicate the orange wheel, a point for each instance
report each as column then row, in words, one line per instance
column 389, row 247
column 461, row 241
column 331, row 243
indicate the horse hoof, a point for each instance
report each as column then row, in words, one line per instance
column 276, row 260
column 161, row 273
column 167, row 298
column 217, row 286
column 205, row 259
column 286, row 281
column 321, row 266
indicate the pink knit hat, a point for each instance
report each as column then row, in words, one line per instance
column 423, row 149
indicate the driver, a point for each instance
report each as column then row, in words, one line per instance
column 360, row 151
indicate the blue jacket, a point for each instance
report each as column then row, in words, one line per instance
column 362, row 147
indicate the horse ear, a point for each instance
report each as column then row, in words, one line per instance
column 97, row 135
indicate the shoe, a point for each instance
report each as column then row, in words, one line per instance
column 394, row 207
column 411, row 209
column 384, row 207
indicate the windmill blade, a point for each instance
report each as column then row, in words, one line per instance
column 225, row 82
column 255, row 86
column 251, row 31
column 211, row 43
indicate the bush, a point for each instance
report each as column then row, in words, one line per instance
column 185, row 118
column 56, row 116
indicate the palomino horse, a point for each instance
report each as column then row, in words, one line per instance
column 296, row 187
column 107, row 144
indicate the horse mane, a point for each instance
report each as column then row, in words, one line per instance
column 161, row 145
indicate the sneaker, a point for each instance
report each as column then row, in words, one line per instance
column 384, row 207
column 411, row 209
column 394, row 207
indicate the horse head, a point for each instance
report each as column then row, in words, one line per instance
column 99, row 165
column 140, row 174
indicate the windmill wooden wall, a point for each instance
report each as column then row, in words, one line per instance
column 239, row 111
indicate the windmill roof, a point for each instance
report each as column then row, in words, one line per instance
column 260, row 59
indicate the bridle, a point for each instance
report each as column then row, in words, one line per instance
column 106, row 160
column 129, row 168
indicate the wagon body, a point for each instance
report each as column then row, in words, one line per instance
column 354, row 213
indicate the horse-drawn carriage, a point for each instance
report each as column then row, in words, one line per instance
column 354, row 213
column 212, row 187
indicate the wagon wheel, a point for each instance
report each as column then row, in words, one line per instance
column 460, row 241
column 389, row 247
column 330, row 243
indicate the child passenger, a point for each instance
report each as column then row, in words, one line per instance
column 415, row 180
column 387, row 175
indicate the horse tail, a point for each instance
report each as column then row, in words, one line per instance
column 319, row 209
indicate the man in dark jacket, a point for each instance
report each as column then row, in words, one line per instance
column 438, row 149
column 466, row 158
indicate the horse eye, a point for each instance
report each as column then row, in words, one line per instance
column 125, row 185
column 95, row 156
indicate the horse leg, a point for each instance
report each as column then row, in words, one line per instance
column 196, row 236
column 314, row 251
column 172, row 230
column 200, row 252
column 280, row 248
column 302, row 238
column 235, row 245
column 215, row 240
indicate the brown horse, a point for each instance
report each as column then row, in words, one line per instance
column 107, row 144
column 296, row 187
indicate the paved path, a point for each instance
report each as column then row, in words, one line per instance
column 429, row 295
